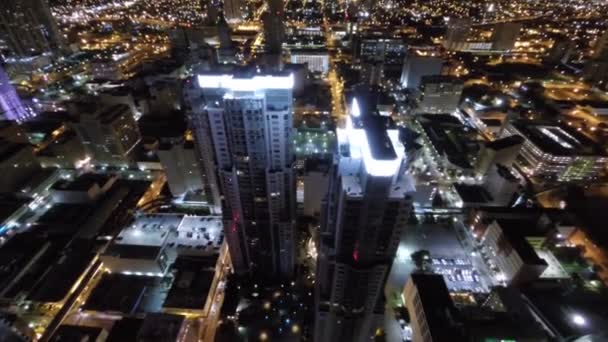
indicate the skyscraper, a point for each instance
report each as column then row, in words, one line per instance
column 232, row 10
column 457, row 33
column 505, row 35
column 416, row 66
column 109, row 135
column 366, row 210
column 274, row 32
column 243, row 125
column 10, row 103
column 28, row 27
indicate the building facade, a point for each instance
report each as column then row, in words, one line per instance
column 181, row 163
column 439, row 94
column 316, row 59
column 28, row 27
column 365, row 213
column 416, row 66
column 243, row 126
column 557, row 152
column 109, row 135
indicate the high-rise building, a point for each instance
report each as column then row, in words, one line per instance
column 600, row 50
column 432, row 312
column 440, row 94
column 505, row 35
column 365, row 213
column 563, row 48
column 596, row 69
column 109, row 135
column 274, row 32
column 233, row 10
column 458, row 30
column 417, row 65
column 28, row 27
column 10, row 103
column 243, row 126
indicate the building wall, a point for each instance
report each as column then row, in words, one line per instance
column 415, row 67
column 316, row 62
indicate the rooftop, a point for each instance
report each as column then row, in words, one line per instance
column 558, row 139
column 192, row 282
column 515, row 231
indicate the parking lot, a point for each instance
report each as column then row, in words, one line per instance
column 459, row 274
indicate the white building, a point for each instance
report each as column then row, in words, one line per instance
column 243, row 126
column 317, row 59
column 366, row 211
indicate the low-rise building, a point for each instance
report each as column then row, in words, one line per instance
column 557, row 152
column 506, row 243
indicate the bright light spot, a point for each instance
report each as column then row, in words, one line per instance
column 578, row 319
column 263, row 336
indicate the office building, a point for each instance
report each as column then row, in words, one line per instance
column 505, row 35
column 365, row 213
column 433, row 316
column 557, row 152
column 439, row 94
column 233, row 10
column 563, row 48
column 457, row 33
column 226, row 53
column 243, row 126
column 10, row 104
column 181, row 164
column 28, row 27
column 516, row 259
column 416, row 65
column 380, row 48
column 109, row 135
column 372, row 73
column 596, row 69
column 317, row 60
column 600, row 49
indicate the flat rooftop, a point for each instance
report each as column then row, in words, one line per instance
column 514, row 230
column 192, row 282
column 126, row 294
column 558, row 139
column 203, row 233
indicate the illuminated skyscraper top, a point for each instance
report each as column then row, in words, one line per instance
column 10, row 103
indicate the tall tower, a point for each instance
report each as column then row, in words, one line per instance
column 233, row 10
column 243, row 124
column 11, row 107
column 274, row 31
column 366, row 210
column 29, row 28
